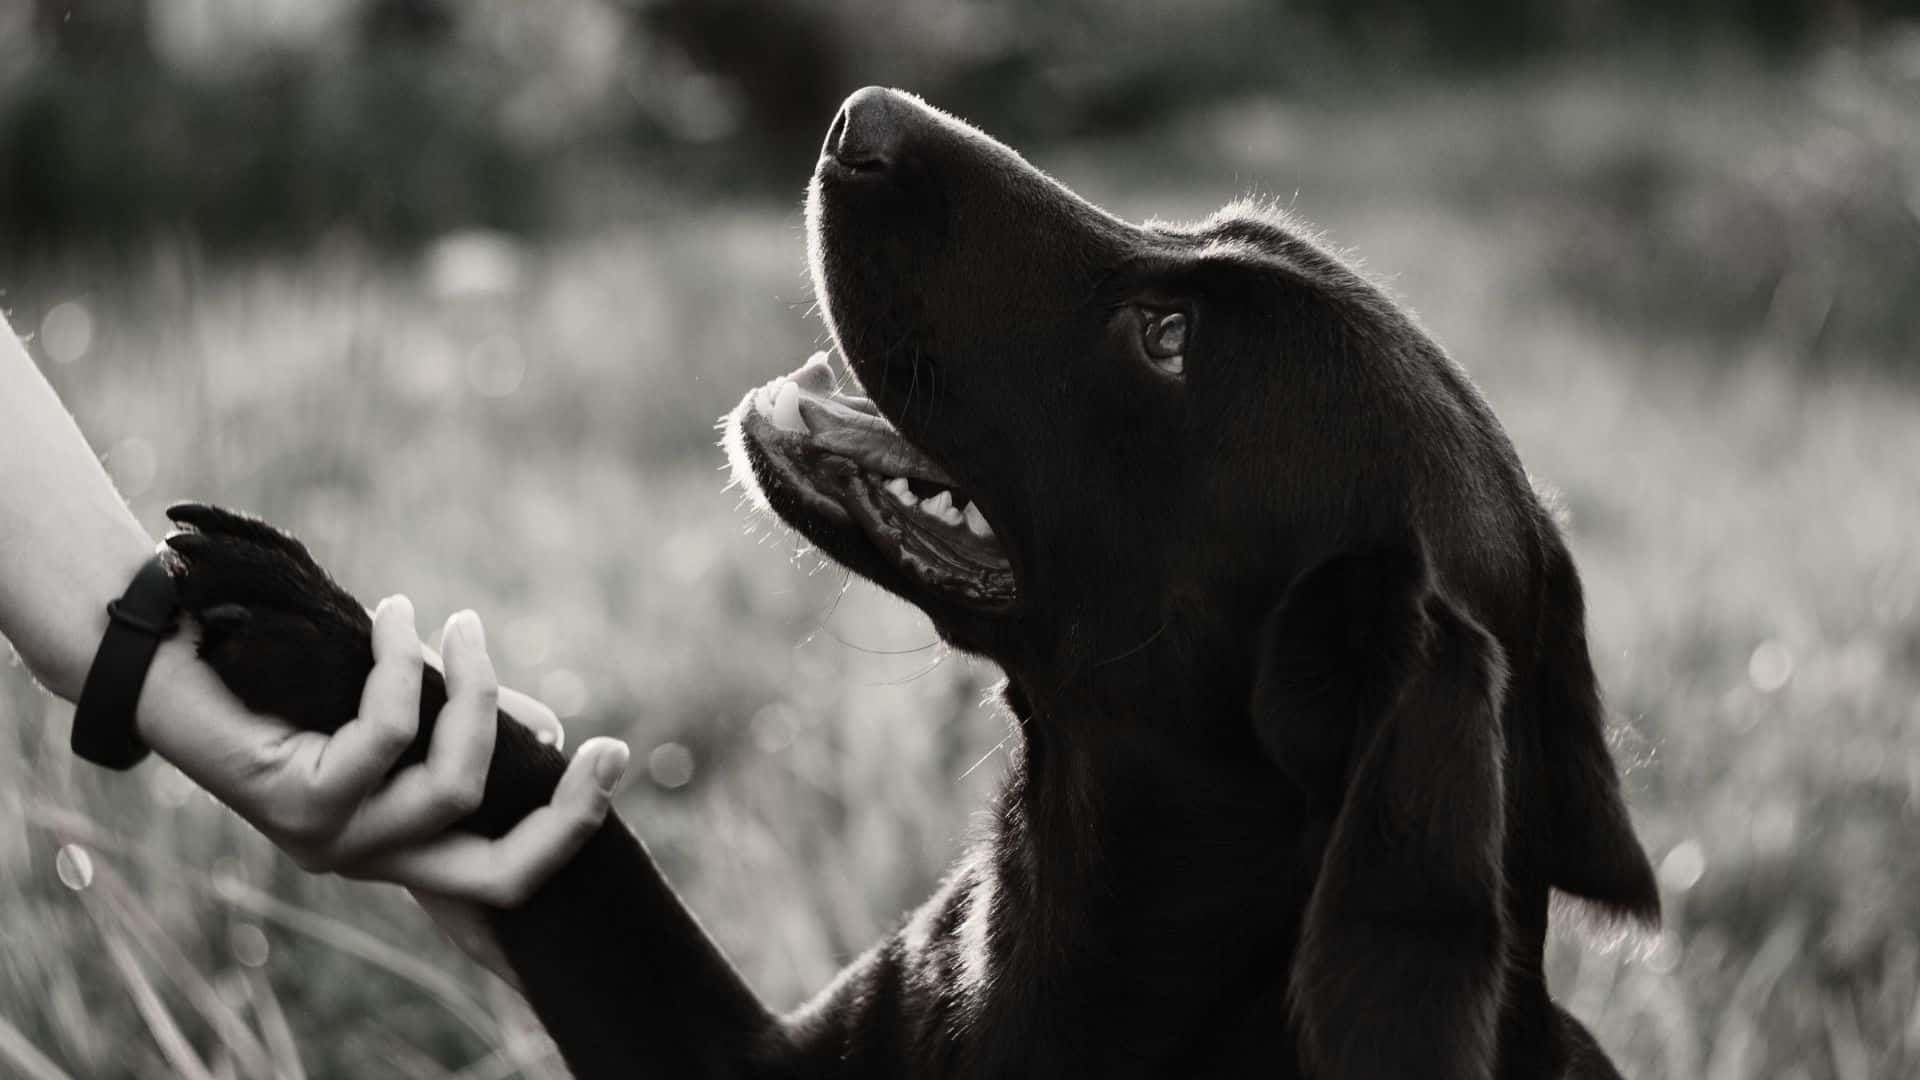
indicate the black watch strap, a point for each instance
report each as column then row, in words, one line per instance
column 147, row 614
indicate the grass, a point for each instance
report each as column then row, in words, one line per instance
column 528, row 431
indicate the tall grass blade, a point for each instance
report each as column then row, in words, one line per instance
column 166, row 1032
column 249, row 1055
column 17, row 1051
column 274, row 1027
column 328, row 931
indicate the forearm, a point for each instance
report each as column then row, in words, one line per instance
column 68, row 543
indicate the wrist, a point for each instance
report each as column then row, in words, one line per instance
column 139, row 622
column 171, row 691
column 73, row 635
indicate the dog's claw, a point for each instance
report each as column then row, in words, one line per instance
column 195, row 515
column 279, row 631
column 225, row 616
column 210, row 535
column 216, row 521
column 189, row 544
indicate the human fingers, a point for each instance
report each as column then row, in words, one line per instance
column 317, row 791
column 505, row 872
column 427, row 798
column 523, row 707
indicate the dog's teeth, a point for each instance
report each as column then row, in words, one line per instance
column 786, row 409
column 977, row 522
column 941, row 506
column 902, row 491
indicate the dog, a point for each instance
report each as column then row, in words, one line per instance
column 1310, row 732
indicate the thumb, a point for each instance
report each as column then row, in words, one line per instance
column 593, row 777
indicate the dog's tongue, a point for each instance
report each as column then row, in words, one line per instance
column 805, row 402
column 816, row 375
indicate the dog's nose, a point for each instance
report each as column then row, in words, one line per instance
column 868, row 131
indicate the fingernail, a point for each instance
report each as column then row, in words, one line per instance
column 609, row 766
column 465, row 625
column 401, row 608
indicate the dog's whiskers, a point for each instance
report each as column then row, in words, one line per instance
column 996, row 748
column 1150, row 639
column 918, row 675
column 846, row 582
column 872, row 651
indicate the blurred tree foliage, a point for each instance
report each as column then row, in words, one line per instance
column 111, row 127
column 249, row 122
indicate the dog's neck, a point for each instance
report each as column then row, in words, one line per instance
column 1138, row 861
column 1139, row 869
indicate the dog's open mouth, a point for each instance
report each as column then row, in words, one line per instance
column 829, row 462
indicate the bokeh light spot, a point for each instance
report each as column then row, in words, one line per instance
column 66, row 332
column 496, row 367
column 1774, row 827
column 228, row 879
column 773, row 728
column 422, row 364
column 74, row 866
column 133, row 466
column 1682, row 868
column 474, row 264
column 249, row 944
column 565, row 692
column 688, row 554
column 1770, row 666
column 528, row 640
column 670, row 765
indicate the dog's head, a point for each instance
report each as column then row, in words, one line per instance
column 1198, row 463
column 1146, row 420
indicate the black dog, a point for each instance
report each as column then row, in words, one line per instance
column 1310, row 729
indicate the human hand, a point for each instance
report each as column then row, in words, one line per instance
column 330, row 801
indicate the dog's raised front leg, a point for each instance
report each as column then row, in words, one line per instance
column 622, row 975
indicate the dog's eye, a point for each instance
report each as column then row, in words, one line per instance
column 1165, row 338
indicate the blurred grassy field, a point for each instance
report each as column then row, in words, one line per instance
column 528, row 431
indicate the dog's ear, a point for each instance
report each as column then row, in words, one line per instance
column 1590, row 846
column 1322, row 660
column 1381, row 700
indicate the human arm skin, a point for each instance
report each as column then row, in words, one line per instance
column 69, row 544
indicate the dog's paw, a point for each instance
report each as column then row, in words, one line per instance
column 272, row 624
